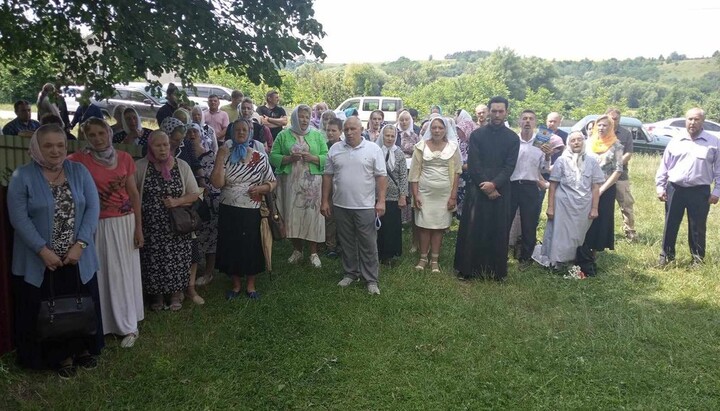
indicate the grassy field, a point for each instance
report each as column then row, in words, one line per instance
column 635, row 337
column 687, row 70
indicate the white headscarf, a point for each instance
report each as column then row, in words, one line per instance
column 450, row 132
column 202, row 115
column 125, row 126
column 577, row 160
column 385, row 149
column 295, row 120
column 410, row 128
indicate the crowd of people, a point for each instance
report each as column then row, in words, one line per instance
column 100, row 217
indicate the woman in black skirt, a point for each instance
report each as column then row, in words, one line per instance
column 244, row 176
column 604, row 146
column 54, row 208
column 389, row 239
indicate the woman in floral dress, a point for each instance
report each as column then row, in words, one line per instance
column 298, row 155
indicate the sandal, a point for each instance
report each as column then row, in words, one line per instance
column 176, row 301
column 231, row 295
column 129, row 340
column 157, row 303
column 434, row 264
column 422, row 263
column 66, row 372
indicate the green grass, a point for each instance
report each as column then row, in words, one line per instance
column 687, row 70
column 635, row 337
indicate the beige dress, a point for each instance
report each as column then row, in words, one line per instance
column 434, row 171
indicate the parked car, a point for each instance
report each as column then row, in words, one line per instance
column 643, row 140
column 133, row 96
column 365, row 105
column 672, row 126
column 200, row 93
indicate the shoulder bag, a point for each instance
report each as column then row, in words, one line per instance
column 65, row 316
column 275, row 220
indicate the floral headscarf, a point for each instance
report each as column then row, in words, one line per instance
column 35, row 152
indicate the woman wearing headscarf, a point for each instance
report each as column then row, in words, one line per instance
column 434, row 175
column 299, row 155
column 261, row 133
column 164, row 182
column 608, row 152
column 373, row 127
column 317, row 112
column 389, row 237
column 209, row 140
column 465, row 127
column 117, row 115
column 132, row 131
column 45, row 102
column 182, row 115
column 53, row 207
column 572, row 203
column 119, row 234
column 406, row 137
column 244, row 175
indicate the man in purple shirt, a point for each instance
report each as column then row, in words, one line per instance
column 690, row 164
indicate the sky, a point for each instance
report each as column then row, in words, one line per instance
column 385, row 30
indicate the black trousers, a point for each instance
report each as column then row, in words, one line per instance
column 524, row 195
column 695, row 201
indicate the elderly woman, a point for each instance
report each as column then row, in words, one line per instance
column 209, row 140
column 389, row 237
column 406, row 136
column 572, row 203
column 299, row 155
column 607, row 150
column 317, row 112
column 132, row 130
column 182, row 115
column 244, row 175
column 164, row 182
column 119, row 234
column 54, row 208
column 46, row 102
column 434, row 175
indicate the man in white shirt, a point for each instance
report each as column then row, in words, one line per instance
column 525, row 181
column 354, row 173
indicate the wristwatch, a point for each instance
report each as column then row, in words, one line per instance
column 82, row 243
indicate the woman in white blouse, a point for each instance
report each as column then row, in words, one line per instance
column 244, row 175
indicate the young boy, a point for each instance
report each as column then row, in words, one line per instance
column 333, row 131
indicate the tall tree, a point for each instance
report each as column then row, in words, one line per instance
column 99, row 43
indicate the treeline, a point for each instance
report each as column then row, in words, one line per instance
column 650, row 89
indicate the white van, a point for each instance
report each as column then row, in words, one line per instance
column 365, row 105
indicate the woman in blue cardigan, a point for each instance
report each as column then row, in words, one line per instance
column 54, row 208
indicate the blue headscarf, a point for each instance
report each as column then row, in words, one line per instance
column 238, row 151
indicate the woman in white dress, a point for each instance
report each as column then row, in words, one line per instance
column 433, row 177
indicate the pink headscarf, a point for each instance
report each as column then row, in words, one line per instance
column 164, row 165
column 465, row 124
column 35, row 152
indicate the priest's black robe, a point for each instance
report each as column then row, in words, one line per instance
column 482, row 241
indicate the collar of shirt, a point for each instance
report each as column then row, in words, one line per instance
column 686, row 136
column 362, row 143
column 532, row 139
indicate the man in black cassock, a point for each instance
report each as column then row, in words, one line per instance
column 482, row 242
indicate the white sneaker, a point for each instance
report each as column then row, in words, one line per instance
column 129, row 340
column 373, row 289
column 295, row 257
column 315, row 261
column 345, row 282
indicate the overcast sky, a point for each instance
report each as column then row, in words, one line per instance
column 384, row 30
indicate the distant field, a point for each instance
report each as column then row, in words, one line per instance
column 687, row 69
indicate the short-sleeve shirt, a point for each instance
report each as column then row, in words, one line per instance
column 241, row 176
column 14, row 127
column 354, row 170
column 218, row 120
column 111, row 184
column 232, row 113
column 626, row 139
column 275, row 112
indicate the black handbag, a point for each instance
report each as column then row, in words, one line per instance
column 185, row 219
column 65, row 316
column 275, row 220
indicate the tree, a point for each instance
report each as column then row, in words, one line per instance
column 364, row 79
column 99, row 43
